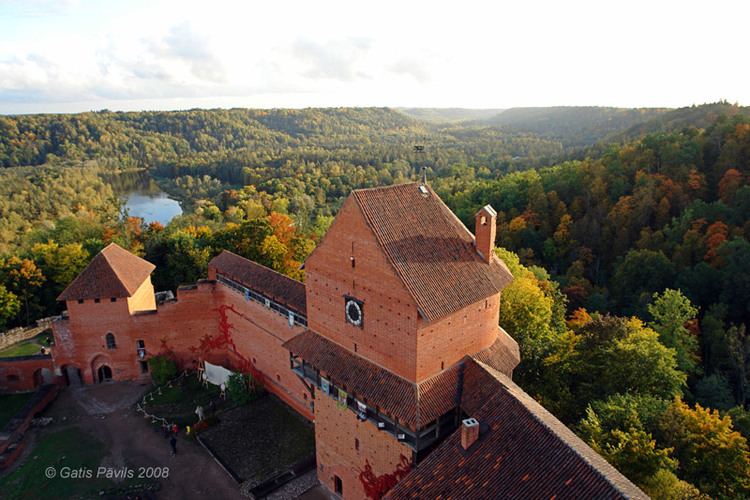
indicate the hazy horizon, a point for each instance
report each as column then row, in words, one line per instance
column 80, row 55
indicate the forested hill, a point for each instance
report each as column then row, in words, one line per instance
column 194, row 137
column 449, row 115
column 631, row 297
column 580, row 126
column 574, row 126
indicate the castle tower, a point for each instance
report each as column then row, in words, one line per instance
column 398, row 294
column 115, row 286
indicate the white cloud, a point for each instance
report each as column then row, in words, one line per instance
column 159, row 54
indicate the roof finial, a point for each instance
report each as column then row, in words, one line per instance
column 418, row 148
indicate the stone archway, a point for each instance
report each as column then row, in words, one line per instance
column 42, row 376
column 72, row 375
column 103, row 374
column 101, row 368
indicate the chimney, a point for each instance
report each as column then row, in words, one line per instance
column 469, row 432
column 484, row 231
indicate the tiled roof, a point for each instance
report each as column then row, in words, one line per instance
column 277, row 287
column 413, row 405
column 113, row 272
column 431, row 250
column 503, row 355
column 523, row 451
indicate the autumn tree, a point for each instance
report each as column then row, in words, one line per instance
column 671, row 311
column 712, row 455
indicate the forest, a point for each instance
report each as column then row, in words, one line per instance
column 627, row 232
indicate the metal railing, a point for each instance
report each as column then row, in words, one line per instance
column 293, row 317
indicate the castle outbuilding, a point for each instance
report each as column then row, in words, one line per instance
column 391, row 346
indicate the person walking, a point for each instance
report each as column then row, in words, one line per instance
column 173, row 444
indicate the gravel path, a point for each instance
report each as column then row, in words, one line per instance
column 107, row 412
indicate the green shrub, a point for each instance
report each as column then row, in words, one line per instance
column 241, row 388
column 162, row 368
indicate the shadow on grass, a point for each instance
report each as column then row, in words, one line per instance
column 68, row 452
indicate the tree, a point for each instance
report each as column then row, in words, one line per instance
column 714, row 391
column 23, row 278
column 10, row 306
column 670, row 311
column 632, row 450
column 60, row 264
column 712, row 455
column 610, row 356
column 163, row 368
column 529, row 312
column 638, row 276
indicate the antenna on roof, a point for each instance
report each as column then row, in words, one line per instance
column 423, row 173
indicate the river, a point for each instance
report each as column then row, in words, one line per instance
column 142, row 197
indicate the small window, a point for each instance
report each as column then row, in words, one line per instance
column 356, row 444
column 144, row 366
column 113, row 299
column 338, row 486
column 254, row 361
column 110, row 338
column 140, row 344
column 80, row 301
column 96, row 301
column 355, row 347
column 278, row 378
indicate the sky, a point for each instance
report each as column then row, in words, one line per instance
column 81, row 55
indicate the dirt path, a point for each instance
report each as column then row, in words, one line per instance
column 107, row 412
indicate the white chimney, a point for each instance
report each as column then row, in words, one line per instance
column 469, row 432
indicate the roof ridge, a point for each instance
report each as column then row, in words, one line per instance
column 258, row 264
column 112, row 267
column 524, row 398
column 384, row 247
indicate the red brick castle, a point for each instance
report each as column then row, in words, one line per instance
column 391, row 346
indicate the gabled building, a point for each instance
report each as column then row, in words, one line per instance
column 392, row 347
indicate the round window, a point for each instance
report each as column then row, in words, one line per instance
column 354, row 312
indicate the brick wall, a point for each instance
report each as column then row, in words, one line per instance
column 442, row 343
column 81, row 340
column 25, row 373
column 336, row 430
column 388, row 334
column 258, row 334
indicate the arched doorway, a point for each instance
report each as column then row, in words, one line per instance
column 72, row 375
column 42, row 376
column 104, row 374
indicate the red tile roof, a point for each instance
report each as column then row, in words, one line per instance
column 431, row 250
column 503, row 355
column 413, row 405
column 113, row 272
column 277, row 287
column 523, row 451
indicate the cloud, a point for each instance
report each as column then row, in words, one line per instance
column 333, row 59
column 185, row 45
column 413, row 68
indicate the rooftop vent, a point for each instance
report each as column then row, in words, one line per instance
column 469, row 432
column 423, row 191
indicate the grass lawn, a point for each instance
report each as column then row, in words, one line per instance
column 178, row 403
column 27, row 347
column 69, row 448
column 260, row 439
column 10, row 404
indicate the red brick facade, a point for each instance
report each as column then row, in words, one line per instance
column 344, row 445
column 25, row 373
